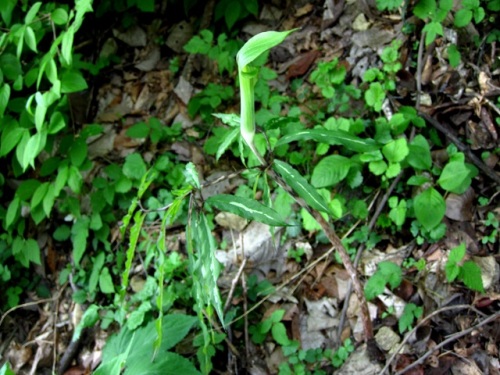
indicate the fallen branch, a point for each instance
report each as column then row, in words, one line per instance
column 420, row 324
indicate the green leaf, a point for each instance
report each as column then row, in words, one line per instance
column 410, row 312
column 419, row 156
column 4, row 98
column 425, row 8
column 106, row 282
column 134, row 167
column 456, row 176
column 135, row 232
column 78, row 152
column 375, row 96
column 139, row 130
column 79, row 234
column 200, row 44
column 11, row 135
column 30, row 38
column 6, row 8
column 377, row 167
column 396, row 150
column 247, row 208
column 175, row 327
column 252, row 6
column 62, row 233
column 278, row 331
column 389, row 4
column 75, row 179
column 26, row 188
column 429, row 208
column 331, row 137
column 470, row 274
column 31, row 251
column 72, row 81
column 59, row 16
column 12, row 212
column 89, row 319
column 192, row 175
column 6, row 369
column 232, row 14
column 62, row 178
column 146, row 5
column 398, row 213
column 432, row 30
column 57, row 123
column 330, row 171
column 453, row 55
column 374, row 286
column 452, row 268
column 226, row 141
column 67, row 46
column 11, row 66
column 259, row 44
column 463, row 17
column 34, row 146
column 300, row 185
column 30, row 16
column 391, row 272
column 38, row 195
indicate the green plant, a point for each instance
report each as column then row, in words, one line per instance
column 387, row 273
column 223, row 52
column 468, row 272
column 233, row 11
column 271, row 325
column 329, row 77
column 296, row 254
column 410, row 313
column 493, row 223
column 130, row 351
column 37, row 75
column 208, row 100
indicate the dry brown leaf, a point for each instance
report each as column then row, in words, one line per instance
column 460, row 207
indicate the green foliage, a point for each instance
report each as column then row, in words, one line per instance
column 387, row 273
column 410, row 313
column 36, row 75
column 494, row 225
column 208, row 100
column 118, row 358
column 468, row 272
column 234, row 11
column 6, row 369
column 471, row 9
column 271, row 325
column 224, row 52
column 247, row 208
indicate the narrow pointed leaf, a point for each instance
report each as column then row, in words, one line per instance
column 227, row 141
column 259, row 44
column 300, row 185
column 331, row 137
column 246, row 208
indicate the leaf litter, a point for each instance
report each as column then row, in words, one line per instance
column 311, row 291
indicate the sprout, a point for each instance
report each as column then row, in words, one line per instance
column 248, row 74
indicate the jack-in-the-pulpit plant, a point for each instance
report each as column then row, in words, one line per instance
column 247, row 74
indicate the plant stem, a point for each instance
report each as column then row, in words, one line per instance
column 337, row 243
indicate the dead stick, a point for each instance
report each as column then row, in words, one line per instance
column 420, row 324
column 450, row 339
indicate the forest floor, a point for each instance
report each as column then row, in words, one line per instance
column 458, row 329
